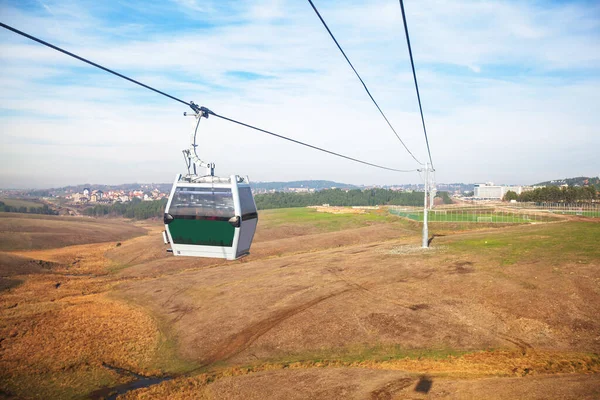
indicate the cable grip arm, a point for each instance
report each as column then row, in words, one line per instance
column 191, row 152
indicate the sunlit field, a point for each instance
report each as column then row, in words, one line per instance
column 326, row 306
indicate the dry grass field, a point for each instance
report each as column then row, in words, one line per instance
column 326, row 306
column 31, row 231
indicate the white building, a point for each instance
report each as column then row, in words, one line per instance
column 489, row 191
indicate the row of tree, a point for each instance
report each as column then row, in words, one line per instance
column 136, row 209
column 335, row 197
column 338, row 197
column 555, row 194
column 445, row 197
column 42, row 209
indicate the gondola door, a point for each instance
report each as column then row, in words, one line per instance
column 246, row 211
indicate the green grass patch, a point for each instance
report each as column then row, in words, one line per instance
column 553, row 243
column 362, row 353
column 591, row 214
column 323, row 221
column 348, row 355
column 471, row 215
column 166, row 359
column 21, row 203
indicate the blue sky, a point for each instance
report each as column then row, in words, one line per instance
column 510, row 90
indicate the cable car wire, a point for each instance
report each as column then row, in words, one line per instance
column 310, row 145
column 10, row 28
column 192, row 105
column 412, row 63
column 361, row 81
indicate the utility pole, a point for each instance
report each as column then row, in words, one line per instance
column 432, row 191
column 425, row 228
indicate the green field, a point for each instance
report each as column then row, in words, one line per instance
column 324, row 221
column 473, row 215
column 21, row 203
column 591, row 214
column 553, row 243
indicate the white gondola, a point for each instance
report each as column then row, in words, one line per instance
column 208, row 216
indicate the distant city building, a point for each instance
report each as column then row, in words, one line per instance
column 302, row 190
column 489, row 191
column 76, row 196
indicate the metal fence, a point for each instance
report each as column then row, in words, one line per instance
column 501, row 213
column 591, row 210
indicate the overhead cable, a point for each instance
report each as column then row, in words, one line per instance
column 412, row 63
column 10, row 28
column 361, row 81
column 311, row 146
column 191, row 104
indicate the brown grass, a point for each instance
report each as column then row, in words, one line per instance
column 24, row 232
column 468, row 366
column 82, row 332
column 334, row 313
column 60, row 325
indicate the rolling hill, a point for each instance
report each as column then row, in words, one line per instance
column 577, row 181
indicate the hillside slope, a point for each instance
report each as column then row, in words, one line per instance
column 31, row 231
column 577, row 181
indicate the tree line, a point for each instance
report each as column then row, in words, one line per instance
column 555, row 194
column 445, row 197
column 338, row 197
column 42, row 209
column 136, row 209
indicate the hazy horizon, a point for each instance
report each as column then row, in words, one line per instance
column 293, row 180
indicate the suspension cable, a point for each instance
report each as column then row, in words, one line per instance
column 10, row 28
column 309, row 145
column 192, row 105
column 412, row 63
column 361, row 81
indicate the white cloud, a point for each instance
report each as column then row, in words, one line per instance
column 195, row 5
column 501, row 126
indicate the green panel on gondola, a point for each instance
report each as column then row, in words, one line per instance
column 202, row 232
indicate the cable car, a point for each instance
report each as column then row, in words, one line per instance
column 206, row 215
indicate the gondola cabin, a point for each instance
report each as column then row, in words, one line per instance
column 210, row 217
